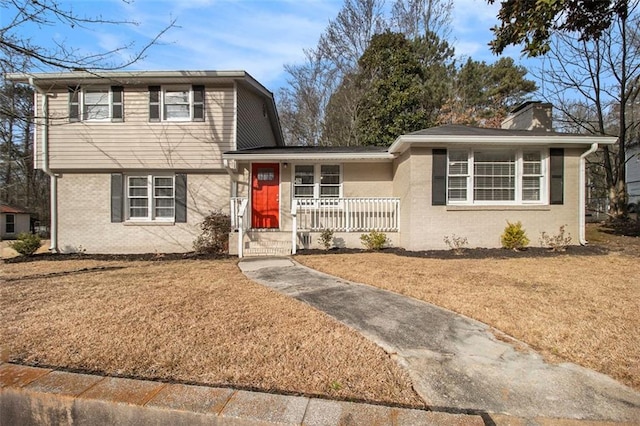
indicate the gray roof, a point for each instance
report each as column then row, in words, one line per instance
column 312, row 150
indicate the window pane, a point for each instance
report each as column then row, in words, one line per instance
column 138, row 192
column 494, row 176
column 137, row 212
column 457, row 188
column 266, row 174
column 176, row 97
column 164, row 192
column 531, row 156
column 176, row 111
column 162, row 212
column 304, row 175
column 303, row 191
column 330, row 191
column 164, row 181
column 138, row 202
column 531, row 188
column 531, row 168
column 458, row 163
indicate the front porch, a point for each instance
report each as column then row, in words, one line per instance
column 300, row 228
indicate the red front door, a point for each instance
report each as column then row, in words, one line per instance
column 265, row 201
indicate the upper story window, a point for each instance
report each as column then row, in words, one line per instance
column 495, row 176
column 96, row 103
column 317, row 181
column 176, row 103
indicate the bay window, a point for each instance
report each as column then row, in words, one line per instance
column 494, row 176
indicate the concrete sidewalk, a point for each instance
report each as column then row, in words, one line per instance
column 456, row 363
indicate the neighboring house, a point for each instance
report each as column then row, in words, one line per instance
column 633, row 178
column 13, row 221
column 139, row 159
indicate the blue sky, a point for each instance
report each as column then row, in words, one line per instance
column 258, row 36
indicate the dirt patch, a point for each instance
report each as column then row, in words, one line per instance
column 194, row 321
column 583, row 309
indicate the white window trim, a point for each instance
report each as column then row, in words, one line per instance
column 150, row 197
column 82, row 103
column 518, row 201
column 178, row 88
column 316, row 180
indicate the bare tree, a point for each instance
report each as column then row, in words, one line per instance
column 415, row 18
column 19, row 14
column 595, row 86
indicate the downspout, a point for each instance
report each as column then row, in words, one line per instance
column 582, row 193
column 45, row 166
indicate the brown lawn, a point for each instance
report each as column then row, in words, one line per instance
column 583, row 309
column 197, row 321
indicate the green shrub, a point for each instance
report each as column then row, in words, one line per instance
column 374, row 240
column 326, row 238
column 215, row 234
column 26, row 244
column 556, row 242
column 514, row 236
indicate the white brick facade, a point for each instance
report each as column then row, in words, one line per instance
column 85, row 217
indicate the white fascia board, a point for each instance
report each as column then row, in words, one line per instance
column 346, row 157
column 404, row 142
column 76, row 76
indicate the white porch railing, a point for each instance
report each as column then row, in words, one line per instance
column 348, row 214
column 238, row 221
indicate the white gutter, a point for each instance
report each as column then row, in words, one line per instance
column 334, row 156
column 45, row 166
column 582, row 196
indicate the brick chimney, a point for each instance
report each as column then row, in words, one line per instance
column 530, row 115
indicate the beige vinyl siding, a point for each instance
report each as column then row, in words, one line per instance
column 137, row 143
column 254, row 126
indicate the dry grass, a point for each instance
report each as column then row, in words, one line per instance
column 192, row 321
column 581, row 309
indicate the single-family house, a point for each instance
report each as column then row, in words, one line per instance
column 137, row 160
column 13, row 221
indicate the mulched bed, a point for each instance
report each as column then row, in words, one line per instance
column 475, row 253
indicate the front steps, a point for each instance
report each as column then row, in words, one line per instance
column 266, row 243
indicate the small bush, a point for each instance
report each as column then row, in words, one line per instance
column 26, row 244
column 556, row 242
column 456, row 243
column 514, row 236
column 326, row 238
column 215, row 234
column 374, row 240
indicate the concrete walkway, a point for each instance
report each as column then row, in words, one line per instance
column 456, row 363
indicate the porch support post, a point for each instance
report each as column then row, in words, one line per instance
column 294, row 226
column 240, row 236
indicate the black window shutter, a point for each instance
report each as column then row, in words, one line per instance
column 154, row 103
column 117, row 194
column 198, row 103
column 181, row 198
column 117, row 104
column 74, row 103
column 556, row 172
column 439, row 177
